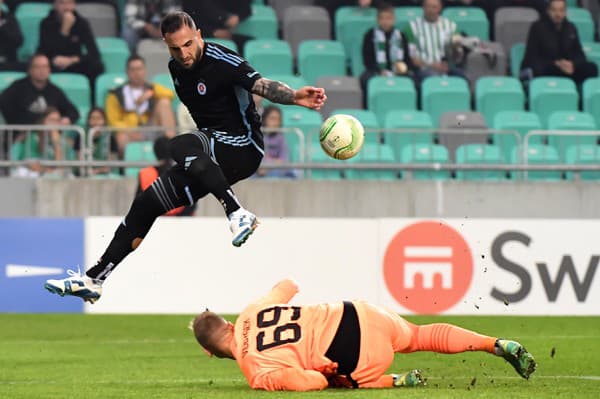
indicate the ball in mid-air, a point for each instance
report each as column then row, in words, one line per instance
column 342, row 136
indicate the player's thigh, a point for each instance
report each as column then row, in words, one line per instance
column 188, row 145
column 237, row 163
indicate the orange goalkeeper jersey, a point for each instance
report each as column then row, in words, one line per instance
column 282, row 347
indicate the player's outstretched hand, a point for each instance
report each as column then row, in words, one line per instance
column 310, row 97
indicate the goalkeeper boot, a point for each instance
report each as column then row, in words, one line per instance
column 516, row 354
column 76, row 284
column 413, row 378
column 242, row 224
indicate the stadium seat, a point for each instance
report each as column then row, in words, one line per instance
column 8, row 77
column 549, row 94
column 351, row 24
column 317, row 58
column 444, row 94
column 498, row 93
column 317, row 155
column 106, row 82
column 479, row 154
column 478, row 64
column 470, row 20
column 301, row 23
column 373, row 153
column 77, row 90
column 262, row 24
column 357, row 64
column 521, row 122
column 426, row 153
column 367, row 118
column 138, row 151
column 385, row 94
column 537, row 154
column 406, row 121
column 307, row 120
column 512, row 25
column 574, row 121
column 342, row 92
column 517, row 52
column 103, row 18
column 592, row 52
column 164, row 79
column 582, row 155
column 230, row 44
column 591, row 98
column 458, row 128
column 29, row 16
column 270, row 57
column 582, row 19
column 406, row 14
column 156, row 56
column 279, row 6
column 114, row 52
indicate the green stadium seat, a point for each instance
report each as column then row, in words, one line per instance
column 105, row 83
column 582, row 155
column 385, row 94
column 351, row 24
column 318, row 58
column 444, row 94
column 591, row 98
column 517, row 52
column 537, row 154
column 582, row 19
column 373, row 153
column 230, row 44
column 357, row 65
column 270, row 57
column 549, row 94
column 576, row 121
column 498, row 93
column 426, row 153
column 470, row 20
column 307, row 120
column 317, row 155
column 262, row 24
column 138, row 151
column 406, row 14
column 114, row 53
column 592, row 52
column 520, row 121
column 29, row 16
column 77, row 90
column 8, row 77
column 164, row 79
column 367, row 119
column 480, row 154
column 405, row 120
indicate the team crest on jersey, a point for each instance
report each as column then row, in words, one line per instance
column 201, row 88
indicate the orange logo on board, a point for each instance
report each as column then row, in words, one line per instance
column 428, row 267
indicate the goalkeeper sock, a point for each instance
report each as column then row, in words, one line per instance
column 446, row 338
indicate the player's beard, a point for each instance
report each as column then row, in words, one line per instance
column 199, row 54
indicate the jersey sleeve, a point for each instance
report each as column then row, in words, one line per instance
column 290, row 379
column 245, row 76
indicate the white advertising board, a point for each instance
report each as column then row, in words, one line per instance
column 455, row 266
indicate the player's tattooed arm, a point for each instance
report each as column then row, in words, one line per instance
column 274, row 91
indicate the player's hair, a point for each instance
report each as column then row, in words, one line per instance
column 385, row 7
column 174, row 21
column 134, row 57
column 204, row 326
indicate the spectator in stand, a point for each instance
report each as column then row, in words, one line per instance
column 45, row 144
column 105, row 146
column 142, row 19
column 10, row 40
column 148, row 175
column 384, row 48
column 554, row 49
column 139, row 103
column 220, row 18
column 26, row 99
column 276, row 148
column 67, row 39
column 432, row 41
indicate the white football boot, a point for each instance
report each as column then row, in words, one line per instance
column 242, row 224
column 76, row 284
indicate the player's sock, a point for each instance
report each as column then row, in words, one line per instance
column 446, row 338
column 129, row 235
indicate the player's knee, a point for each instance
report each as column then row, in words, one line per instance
column 199, row 166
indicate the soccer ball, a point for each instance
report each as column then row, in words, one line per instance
column 341, row 136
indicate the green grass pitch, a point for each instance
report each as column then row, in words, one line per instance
column 93, row 356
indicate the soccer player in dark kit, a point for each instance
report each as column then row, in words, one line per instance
column 216, row 85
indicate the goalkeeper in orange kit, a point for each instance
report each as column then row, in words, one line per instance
column 349, row 344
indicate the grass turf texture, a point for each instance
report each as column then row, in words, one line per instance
column 93, row 356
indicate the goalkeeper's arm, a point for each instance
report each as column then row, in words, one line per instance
column 290, row 379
